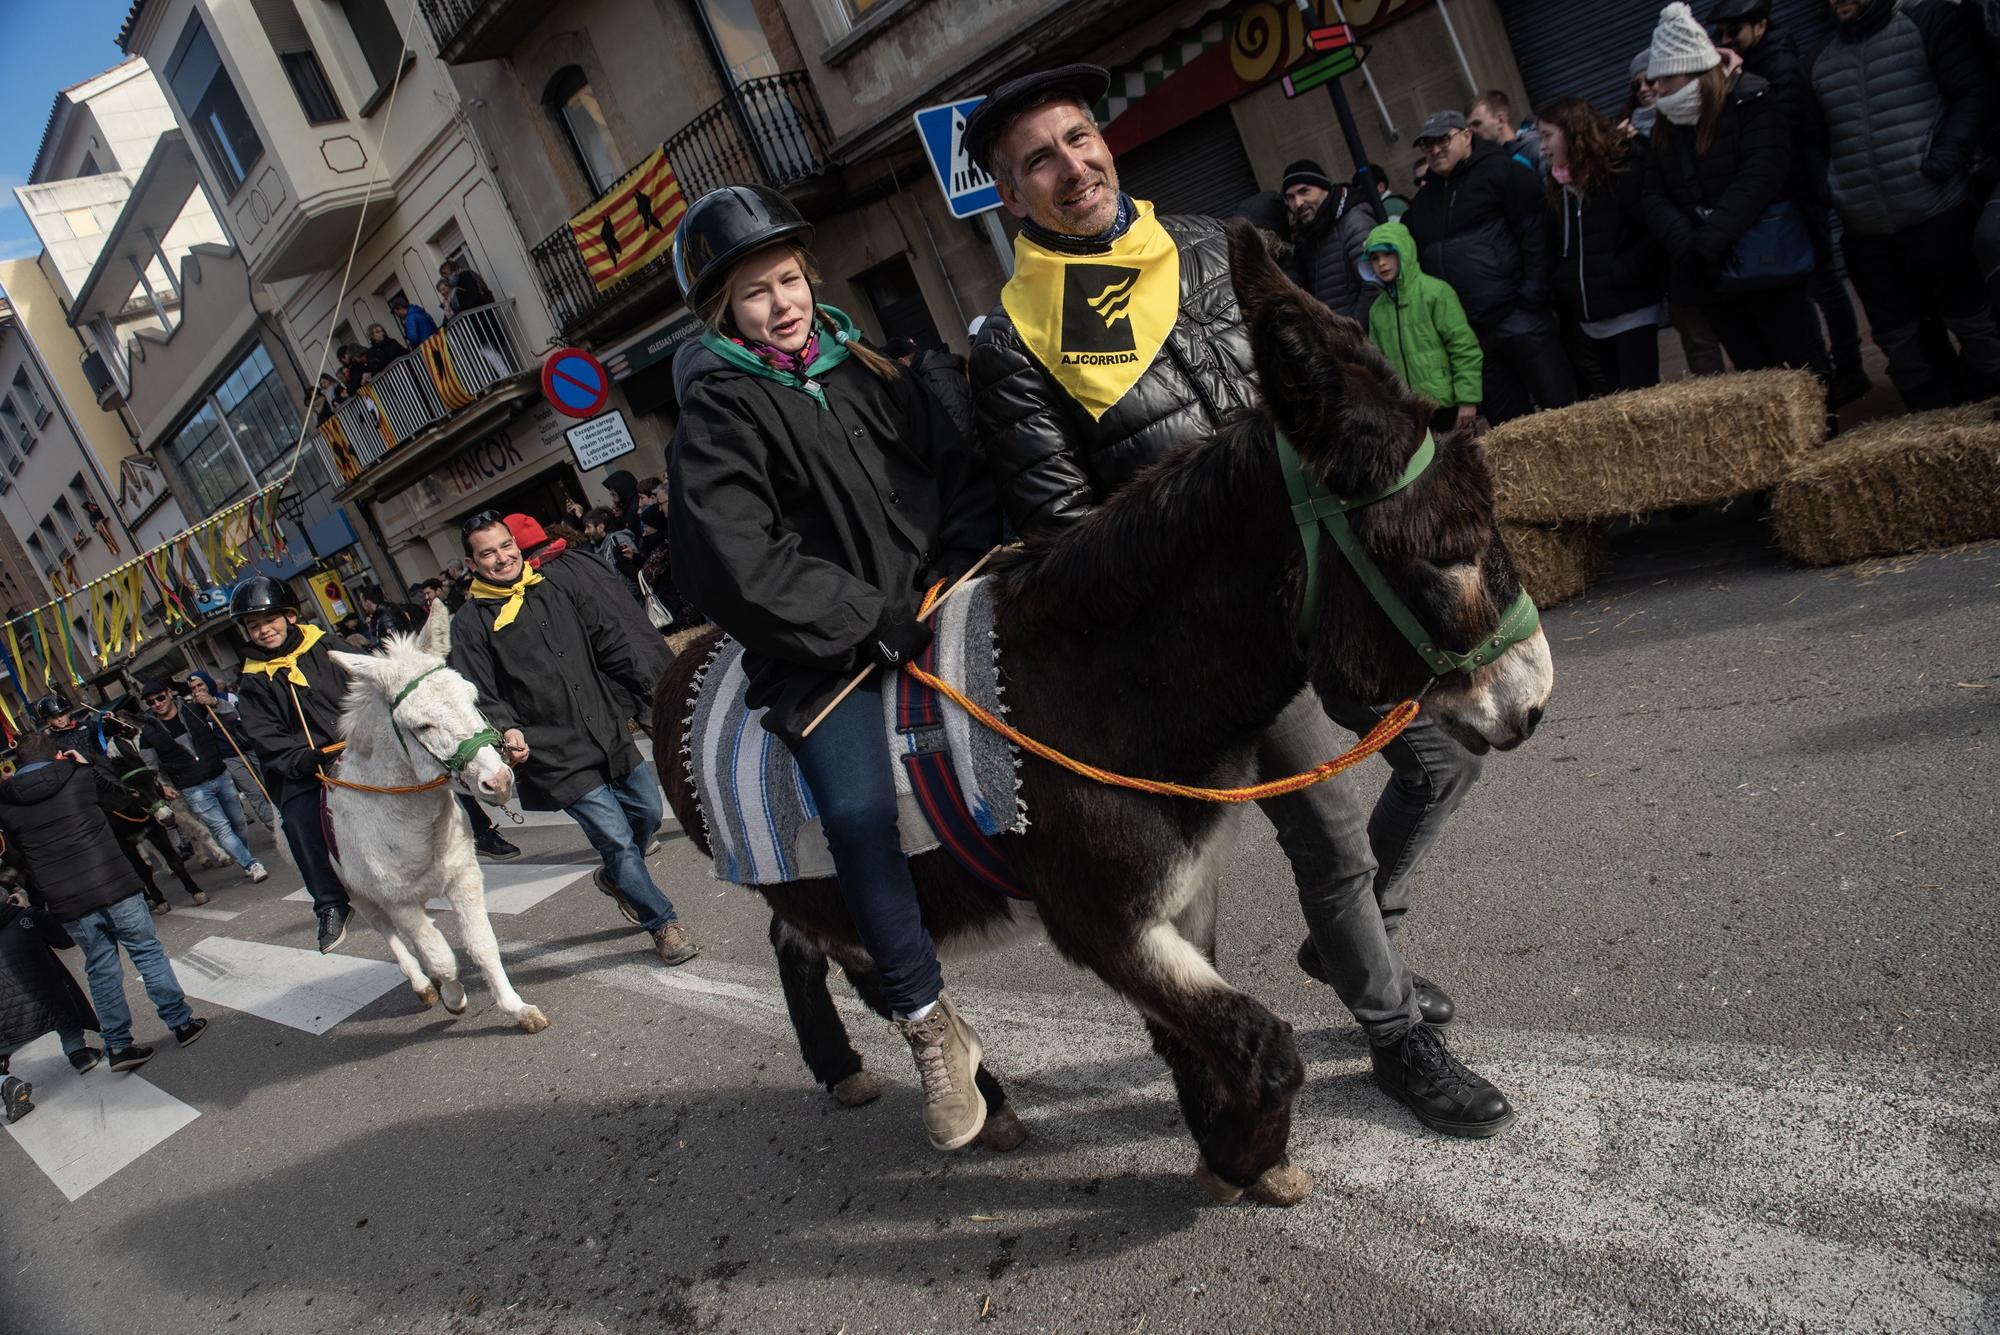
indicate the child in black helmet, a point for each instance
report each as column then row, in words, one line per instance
column 289, row 697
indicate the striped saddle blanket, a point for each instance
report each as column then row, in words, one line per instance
column 763, row 824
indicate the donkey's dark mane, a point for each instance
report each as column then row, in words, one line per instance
column 1125, row 556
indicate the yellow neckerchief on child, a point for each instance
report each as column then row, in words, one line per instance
column 309, row 635
column 1097, row 321
column 510, row 596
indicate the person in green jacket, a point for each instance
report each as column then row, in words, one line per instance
column 1418, row 324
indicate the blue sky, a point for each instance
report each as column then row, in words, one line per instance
column 45, row 45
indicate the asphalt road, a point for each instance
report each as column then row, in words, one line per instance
column 1723, row 931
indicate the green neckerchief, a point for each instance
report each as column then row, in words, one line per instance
column 832, row 352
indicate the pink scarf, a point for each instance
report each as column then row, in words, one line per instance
column 791, row 363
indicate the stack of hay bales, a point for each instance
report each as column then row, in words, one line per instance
column 1558, row 477
column 1901, row 484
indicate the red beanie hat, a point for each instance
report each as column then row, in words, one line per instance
column 528, row 533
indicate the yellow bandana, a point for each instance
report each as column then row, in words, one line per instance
column 309, row 635
column 511, row 596
column 1097, row 321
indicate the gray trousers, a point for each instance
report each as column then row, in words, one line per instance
column 1352, row 864
column 253, row 796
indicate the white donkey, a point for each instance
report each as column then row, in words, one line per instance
column 410, row 720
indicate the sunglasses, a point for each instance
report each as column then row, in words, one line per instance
column 158, row 696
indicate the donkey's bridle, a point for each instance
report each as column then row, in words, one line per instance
column 456, row 762
column 1315, row 508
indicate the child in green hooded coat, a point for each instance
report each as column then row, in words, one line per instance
column 1418, row 324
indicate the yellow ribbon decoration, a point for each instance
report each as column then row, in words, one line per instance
column 135, row 599
column 510, row 596
column 1097, row 321
column 309, row 635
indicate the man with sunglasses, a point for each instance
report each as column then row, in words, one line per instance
column 560, row 672
column 185, row 747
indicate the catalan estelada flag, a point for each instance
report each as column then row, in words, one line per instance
column 631, row 225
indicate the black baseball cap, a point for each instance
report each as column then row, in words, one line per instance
column 989, row 120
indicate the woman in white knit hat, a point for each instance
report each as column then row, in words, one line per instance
column 1717, row 197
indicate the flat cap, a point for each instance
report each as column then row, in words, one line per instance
column 989, row 120
column 1441, row 123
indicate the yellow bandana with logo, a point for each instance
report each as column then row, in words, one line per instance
column 309, row 635
column 1097, row 321
column 510, row 596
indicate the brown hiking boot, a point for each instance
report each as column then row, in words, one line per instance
column 674, row 944
column 947, row 1053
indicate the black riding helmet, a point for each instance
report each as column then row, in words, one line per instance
column 48, row 709
column 1739, row 11
column 722, row 227
column 261, row 593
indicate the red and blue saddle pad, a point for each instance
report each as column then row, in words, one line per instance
column 920, row 717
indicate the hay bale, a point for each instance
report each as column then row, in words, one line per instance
column 1691, row 442
column 1900, row 484
column 1555, row 563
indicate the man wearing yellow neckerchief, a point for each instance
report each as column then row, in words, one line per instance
column 1118, row 339
column 289, row 695
column 562, row 663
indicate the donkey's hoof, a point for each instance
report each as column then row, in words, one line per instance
column 1004, row 1130
column 1282, row 1184
column 857, row 1089
column 1219, row 1191
column 428, row 994
column 454, row 997
column 532, row 1021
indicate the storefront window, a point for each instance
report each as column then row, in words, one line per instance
column 246, row 427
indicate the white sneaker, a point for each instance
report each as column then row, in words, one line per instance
column 255, row 871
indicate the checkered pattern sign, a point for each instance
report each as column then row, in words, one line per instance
column 1133, row 82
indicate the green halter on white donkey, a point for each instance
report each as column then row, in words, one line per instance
column 414, row 732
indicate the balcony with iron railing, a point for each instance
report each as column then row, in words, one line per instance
column 769, row 131
column 449, row 373
column 469, row 30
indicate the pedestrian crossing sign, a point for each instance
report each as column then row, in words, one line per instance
column 968, row 190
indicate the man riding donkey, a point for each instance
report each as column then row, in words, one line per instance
column 816, row 489
column 561, row 670
column 291, row 693
column 1117, row 338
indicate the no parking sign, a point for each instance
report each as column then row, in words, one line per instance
column 575, row 383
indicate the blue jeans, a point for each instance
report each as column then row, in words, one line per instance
column 99, row 933
column 216, row 805
column 847, row 766
column 620, row 819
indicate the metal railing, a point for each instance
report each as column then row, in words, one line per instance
column 770, row 130
column 439, row 378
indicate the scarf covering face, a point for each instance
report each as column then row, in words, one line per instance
column 804, row 379
column 1097, row 321
column 288, row 662
column 1682, row 107
column 511, row 597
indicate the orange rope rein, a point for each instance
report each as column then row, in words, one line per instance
column 1378, row 737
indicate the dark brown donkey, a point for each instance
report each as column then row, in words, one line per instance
column 1156, row 638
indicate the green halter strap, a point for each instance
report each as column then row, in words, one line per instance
column 456, row 762
column 1315, row 508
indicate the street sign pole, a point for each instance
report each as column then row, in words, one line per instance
column 998, row 236
column 1344, row 57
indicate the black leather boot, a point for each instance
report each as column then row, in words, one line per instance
column 1420, row 1073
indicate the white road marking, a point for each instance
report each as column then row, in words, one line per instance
column 302, row 989
column 1765, row 1188
column 86, row 1127
column 208, row 914
column 511, row 887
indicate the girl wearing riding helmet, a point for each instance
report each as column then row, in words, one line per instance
column 815, row 492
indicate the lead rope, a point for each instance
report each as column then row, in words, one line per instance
column 1379, row 736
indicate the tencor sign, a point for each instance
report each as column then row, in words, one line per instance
column 478, row 464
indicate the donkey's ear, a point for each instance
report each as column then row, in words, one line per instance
column 1252, row 272
column 364, row 666
column 435, row 637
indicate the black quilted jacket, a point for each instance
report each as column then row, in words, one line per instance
column 1050, row 461
column 37, row 993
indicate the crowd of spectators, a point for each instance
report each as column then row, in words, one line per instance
column 459, row 289
column 1745, row 186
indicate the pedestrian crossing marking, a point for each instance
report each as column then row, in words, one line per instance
column 301, row 989
column 86, row 1127
column 511, row 887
